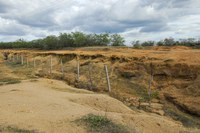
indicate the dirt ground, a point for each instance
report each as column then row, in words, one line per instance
column 47, row 105
column 37, row 105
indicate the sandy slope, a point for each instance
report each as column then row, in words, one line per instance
column 40, row 105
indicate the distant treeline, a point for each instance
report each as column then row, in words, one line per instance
column 190, row 42
column 74, row 39
column 80, row 39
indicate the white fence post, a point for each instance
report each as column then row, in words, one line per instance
column 149, row 89
column 13, row 59
column 78, row 69
column 34, row 63
column 17, row 57
column 51, row 65
column 22, row 60
column 27, row 63
column 90, row 76
column 107, row 77
column 62, row 67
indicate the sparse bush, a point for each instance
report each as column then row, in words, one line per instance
column 137, row 46
column 9, row 81
column 148, row 43
column 146, row 98
column 96, row 123
column 10, row 129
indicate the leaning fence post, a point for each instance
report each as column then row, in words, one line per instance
column 150, row 82
column 90, row 76
column 22, row 60
column 107, row 77
column 13, row 59
column 149, row 89
column 34, row 65
column 27, row 61
column 10, row 58
column 62, row 68
column 17, row 57
column 78, row 69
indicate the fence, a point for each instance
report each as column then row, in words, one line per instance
column 84, row 73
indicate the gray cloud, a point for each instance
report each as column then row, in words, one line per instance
column 154, row 27
column 32, row 19
column 10, row 27
column 4, row 7
column 39, row 19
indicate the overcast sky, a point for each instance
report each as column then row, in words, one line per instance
column 133, row 19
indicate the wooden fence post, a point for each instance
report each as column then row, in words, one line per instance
column 90, row 76
column 150, row 82
column 27, row 63
column 34, row 63
column 107, row 78
column 13, row 59
column 22, row 60
column 78, row 69
column 17, row 57
column 62, row 68
column 149, row 89
column 50, row 64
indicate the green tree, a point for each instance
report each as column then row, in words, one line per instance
column 160, row 43
column 102, row 39
column 80, row 39
column 148, row 43
column 136, row 44
column 66, row 40
column 169, row 41
column 117, row 40
column 50, row 42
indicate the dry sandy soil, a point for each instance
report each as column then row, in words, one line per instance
column 37, row 105
column 49, row 105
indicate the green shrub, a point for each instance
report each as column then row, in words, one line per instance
column 137, row 46
column 146, row 98
column 96, row 123
column 10, row 129
column 9, row 81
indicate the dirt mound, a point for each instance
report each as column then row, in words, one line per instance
column 101, row 102
column 37, row 105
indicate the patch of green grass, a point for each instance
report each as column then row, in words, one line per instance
column 9, row 81
column 13, row 63
column 10, row 129
column 101, row 124
column 145, row 97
